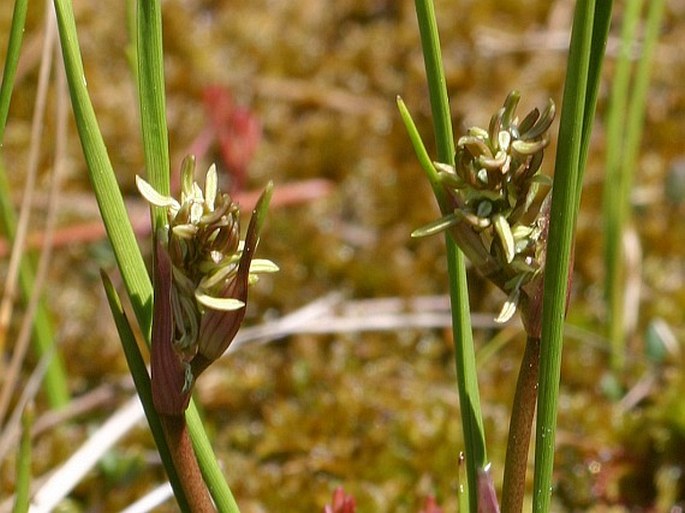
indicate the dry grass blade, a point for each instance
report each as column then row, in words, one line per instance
column 10, row 431
column 11, row 284
column 23, row 338
column 149, row 502
column 63, row 481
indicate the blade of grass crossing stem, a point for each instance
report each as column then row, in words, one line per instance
column 420, row 150
column 600, row 34
column 55, row 386
column 107, row 193
column 23, row 469
column 152, row 99
column 472, row 422
column 136, row 365
column 11, row 60
column 562, row 223
column 618, row 106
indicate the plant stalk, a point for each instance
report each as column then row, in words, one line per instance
column 520, row 428
column 181, row 449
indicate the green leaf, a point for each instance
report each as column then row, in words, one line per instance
column 11, row 61
column 152, row 100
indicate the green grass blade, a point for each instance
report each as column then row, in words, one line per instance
column 600, row 34
column 560, row 242
column 152, row 99
column 101, row 174
column 11, row 60
column 421, row 152
column 469, row 396
column 612, row 202
column 136, row 365
column 23, row 469
column 621, row 165
column 437, row 87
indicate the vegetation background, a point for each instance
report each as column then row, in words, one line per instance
column 375, row 411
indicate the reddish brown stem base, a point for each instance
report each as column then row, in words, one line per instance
column 183, row 456
column 523, row 411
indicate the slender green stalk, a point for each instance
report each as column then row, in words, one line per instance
column 618, row 106
column 587, row 40
column 152, row 99
column 22, row 489
column 55, row 384
column 12, row 60
column 624, row 133
column 600, row 34
column 472, row 422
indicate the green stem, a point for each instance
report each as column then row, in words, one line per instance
column 467, row 382
column 150, row 55
column 574, row 127
column 622, row 161
column 23, row 468
column 520, row 428
column 613, row 256
column 101, row 174
column 11, row 61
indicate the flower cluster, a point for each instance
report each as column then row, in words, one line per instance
column 490, row 191
column 201, row 277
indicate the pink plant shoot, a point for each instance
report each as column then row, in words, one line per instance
column 342, row 503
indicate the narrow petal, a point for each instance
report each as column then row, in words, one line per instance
column 439, row 225
column 505, row 236
column 262, row 266
column 152, row 196
column 509, row 308
column 225, row 304
column 210, row 187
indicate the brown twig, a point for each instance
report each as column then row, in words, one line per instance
column 525, row 399
column 181, row 449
